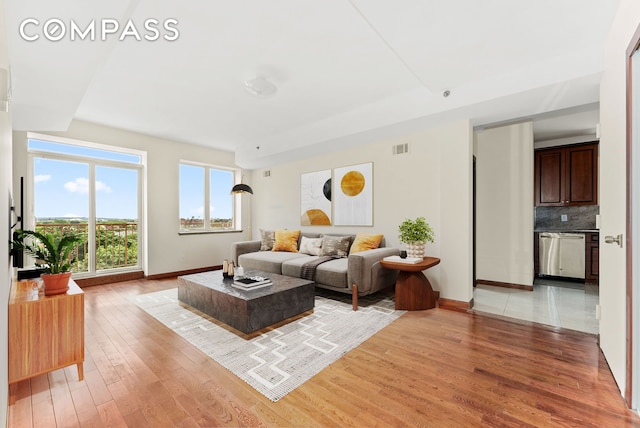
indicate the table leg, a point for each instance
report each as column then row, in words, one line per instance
column 80, row 371
column 13, row 391
column 414, row 292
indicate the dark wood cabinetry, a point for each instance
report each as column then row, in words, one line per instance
column 592, row 258
column 567, row 176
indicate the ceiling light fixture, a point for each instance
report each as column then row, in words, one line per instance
column 260, row 87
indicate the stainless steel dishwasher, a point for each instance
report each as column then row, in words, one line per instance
column 562, row 254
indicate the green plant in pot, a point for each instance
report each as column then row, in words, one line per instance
column 53, row 255
column 415, row 233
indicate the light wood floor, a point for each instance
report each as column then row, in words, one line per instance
column 430, row 368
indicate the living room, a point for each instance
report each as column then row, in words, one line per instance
column 434, row 180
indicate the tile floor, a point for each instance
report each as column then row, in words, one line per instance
column 557, row 303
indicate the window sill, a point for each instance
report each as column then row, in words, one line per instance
column 205, row 232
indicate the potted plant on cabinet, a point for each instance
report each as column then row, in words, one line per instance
column 52, row 254
column 415, row 233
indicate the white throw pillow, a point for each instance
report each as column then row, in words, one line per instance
column 310, row 246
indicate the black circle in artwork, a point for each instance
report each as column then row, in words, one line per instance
column 326, row 189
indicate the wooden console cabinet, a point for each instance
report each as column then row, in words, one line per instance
column 46, row 333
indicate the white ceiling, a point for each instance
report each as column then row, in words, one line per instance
column 346, row 71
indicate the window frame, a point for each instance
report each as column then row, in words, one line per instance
column 92, row 162
column 235, row 206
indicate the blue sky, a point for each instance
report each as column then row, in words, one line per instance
column 62, row 190
column 192, row 191
column 62, row 187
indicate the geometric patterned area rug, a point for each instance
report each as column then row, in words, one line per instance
column 278, row 361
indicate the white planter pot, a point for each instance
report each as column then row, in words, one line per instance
column 415, row 249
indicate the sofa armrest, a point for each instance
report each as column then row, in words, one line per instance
column 243, row 247
column 364, row 268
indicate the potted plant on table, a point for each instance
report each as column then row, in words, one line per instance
column 53, row 256
column 415, row 233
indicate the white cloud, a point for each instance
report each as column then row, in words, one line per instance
column 41, row 178
column 81, row 185
column 100, row 186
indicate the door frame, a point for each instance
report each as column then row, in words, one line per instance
column 634, row 45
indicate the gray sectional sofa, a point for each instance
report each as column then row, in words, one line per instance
column 358, row 274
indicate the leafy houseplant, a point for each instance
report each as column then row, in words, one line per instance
column 415, row 233
column 53, row 256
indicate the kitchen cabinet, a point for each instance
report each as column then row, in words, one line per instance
column 592, row 258
column 566, row 176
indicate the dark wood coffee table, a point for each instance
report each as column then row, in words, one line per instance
column 251, row 310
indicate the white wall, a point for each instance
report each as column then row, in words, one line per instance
column 504, row 207
column 613, row 332
column 5, row 191
column 167, row 251
column 433, row 180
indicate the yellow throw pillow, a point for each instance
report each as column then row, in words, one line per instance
column 286, row 240
column 364, row 242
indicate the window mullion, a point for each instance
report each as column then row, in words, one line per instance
column 207, row 199
column 91, row 226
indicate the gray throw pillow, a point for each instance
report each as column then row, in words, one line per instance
column 267, row 238
column 335, row 246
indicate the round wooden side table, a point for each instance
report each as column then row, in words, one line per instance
column 413, row 289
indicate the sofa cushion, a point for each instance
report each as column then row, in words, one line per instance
column 364, row 242
column 310, row 246
column 267, row 239
column 333, row 272
column 267, row 261
column 286, row 240
column 335, row 246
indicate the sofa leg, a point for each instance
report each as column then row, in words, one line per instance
column 354, row 296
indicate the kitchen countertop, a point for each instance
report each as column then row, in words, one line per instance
column 567, row 231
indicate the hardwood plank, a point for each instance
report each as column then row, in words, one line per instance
column 112, row 417
column 87, row 412
column 41, row 402
column 20, row 416
column 98, row 389
column 428, row 368
column 123, row 398
column 63, row 406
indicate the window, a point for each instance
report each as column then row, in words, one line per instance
column 206, row 204
column 92, row 190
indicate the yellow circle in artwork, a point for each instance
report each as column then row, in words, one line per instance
column 315, row 217
column 352, row 183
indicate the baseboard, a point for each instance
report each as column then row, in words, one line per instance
column 183, row 272
column 455, row 305
column 109, row 279
column 505, row 284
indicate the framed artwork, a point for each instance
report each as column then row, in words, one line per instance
column 353, row 195
column 315, row 198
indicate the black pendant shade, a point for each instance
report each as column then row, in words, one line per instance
column 241, row 188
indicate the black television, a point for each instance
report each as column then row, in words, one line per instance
column 18, row 256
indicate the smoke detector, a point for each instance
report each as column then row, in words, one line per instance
column 260, row 87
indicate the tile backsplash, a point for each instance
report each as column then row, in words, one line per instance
column 577, row 218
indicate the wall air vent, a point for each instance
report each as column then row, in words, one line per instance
column 400, row 149
column 267, row 173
